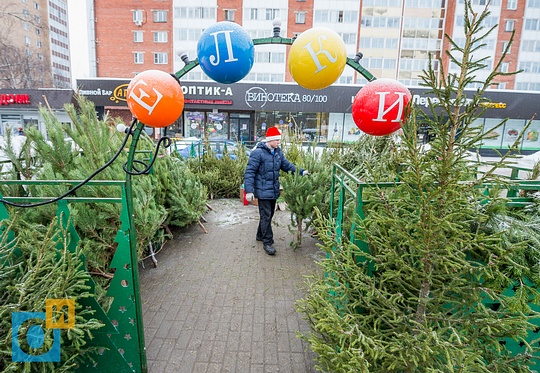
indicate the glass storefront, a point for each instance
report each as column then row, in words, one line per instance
column 243, row 112
column 304, row 126
column 218, row 125
column 11, row 123
column 240, row 124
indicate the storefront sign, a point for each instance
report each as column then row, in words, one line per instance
column 14, row 99
column 258, row 97
column 292, row 97
column 208, row 102
column 119, row 93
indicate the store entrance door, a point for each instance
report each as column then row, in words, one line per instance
column 240, row 126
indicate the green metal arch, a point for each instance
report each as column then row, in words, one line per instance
column 352, row 62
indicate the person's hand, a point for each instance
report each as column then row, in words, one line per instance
column 250, row 197
column 306, row 172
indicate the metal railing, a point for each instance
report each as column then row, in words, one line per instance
column 124, row 318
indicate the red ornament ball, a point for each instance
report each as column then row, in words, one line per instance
column 380, row 106
column 155, row 98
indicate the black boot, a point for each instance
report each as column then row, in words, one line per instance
column 269, row 249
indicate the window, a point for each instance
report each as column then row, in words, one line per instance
column 36, row 6
column 509, row 25
column 512, row 4
column 229, row 15
column 277, row 57
column 389, row 63
column 40, row 57
column 188, row 34
column 26, row 40
column 530, row 45
column 195, row 12
column 272, row 14
column 25, row 13
column 252, row 13
column 37, row 19
column 532, row 24
column 138, row 17
column 262, row 57
column 391, row 43
column 349, row 38
column 38, row 31
column 300, row 17
column 501, row 85
column 375, row 63
column 504, row 67
column 138, row 36
column 350, row 16
column 38, row 43
column 138, row 57
column 504, row 46
column 160, row 37
column 160, row 16
column 161, row 58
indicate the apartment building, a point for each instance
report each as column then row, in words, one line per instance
column 397, row 38
column 35, row 45
column 57, row 16
column 132, row 36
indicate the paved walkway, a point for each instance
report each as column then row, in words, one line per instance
column 218, row 303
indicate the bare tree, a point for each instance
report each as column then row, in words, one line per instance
column 19, row 70
column 20, row 66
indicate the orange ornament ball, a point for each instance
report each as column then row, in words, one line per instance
column 155, row 98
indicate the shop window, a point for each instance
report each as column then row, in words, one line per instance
column 11, row 123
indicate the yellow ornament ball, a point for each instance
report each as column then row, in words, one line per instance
column 317, row 58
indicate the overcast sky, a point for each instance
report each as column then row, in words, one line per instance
column 78, row 40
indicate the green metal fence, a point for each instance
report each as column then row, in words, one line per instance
column 347, row 207
column 121, row 339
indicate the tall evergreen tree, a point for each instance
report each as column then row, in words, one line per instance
column 445, row 287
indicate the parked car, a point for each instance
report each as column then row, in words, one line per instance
column 218, row 147
column 307, row 148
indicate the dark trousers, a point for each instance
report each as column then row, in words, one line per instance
column 266, row 212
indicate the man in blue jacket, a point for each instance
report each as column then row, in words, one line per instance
column 261, row 180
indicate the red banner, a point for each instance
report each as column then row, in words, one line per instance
column 10, row 99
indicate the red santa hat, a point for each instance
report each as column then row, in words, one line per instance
column 273, row 134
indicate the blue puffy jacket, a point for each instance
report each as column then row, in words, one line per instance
column 262, row 172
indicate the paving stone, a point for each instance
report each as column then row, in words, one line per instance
column 218, row 303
